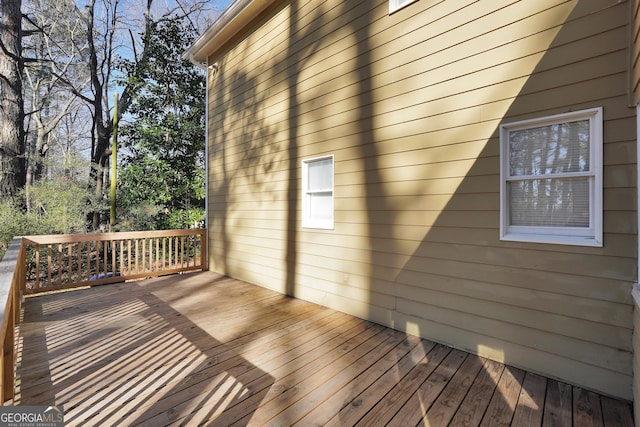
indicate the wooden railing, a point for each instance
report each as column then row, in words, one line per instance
column 12, row 281
column 72, row 260
column 45, row 263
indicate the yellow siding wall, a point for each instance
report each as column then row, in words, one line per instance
column 410, row 105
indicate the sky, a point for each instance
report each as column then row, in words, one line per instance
column 214, row 8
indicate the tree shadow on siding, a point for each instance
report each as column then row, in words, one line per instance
column 251, row 140
column 462, row 286
column 426, row 291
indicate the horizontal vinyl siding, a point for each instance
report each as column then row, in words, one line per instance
column 410, row 76
column 410, row 104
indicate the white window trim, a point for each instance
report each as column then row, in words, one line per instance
column 308, row 222
column 395, row 5
column 578, row 236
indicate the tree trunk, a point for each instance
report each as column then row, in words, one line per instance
column 35, row 164
column 12, row 145
column 101, row 132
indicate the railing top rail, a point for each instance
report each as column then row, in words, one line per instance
column 85, row 237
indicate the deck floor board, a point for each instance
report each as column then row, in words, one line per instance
column 203, row 349
column 531, row 401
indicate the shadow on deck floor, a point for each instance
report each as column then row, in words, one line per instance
column 201, row 349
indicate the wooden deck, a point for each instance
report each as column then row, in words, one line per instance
column 203, row 349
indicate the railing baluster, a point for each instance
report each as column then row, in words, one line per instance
column 189, row 243
column 151, row 254
column 182, row 251
column 176, row 251
column 143, row 248
column 96, row 251
column 70, row 257
column 59, row 264
column 136, row 256
column 158, row 254
column 105, row 258
column 49, row 261
column 88, row 266
column 113, row 257
column 91, row 253
column 37, row 249
column 129, row 256
column 164, row 252
column 79, row 260
column 121, row 266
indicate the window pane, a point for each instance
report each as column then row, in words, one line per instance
column 321, row 175
column 557, row 148
column 561, row 202
column 320, row 206
column 397, row 4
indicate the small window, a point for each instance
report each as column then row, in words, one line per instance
column 317, row 193
column 398, row 4
column 551, row 179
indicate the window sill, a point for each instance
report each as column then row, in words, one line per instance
column 317, row 226
column 553, row 239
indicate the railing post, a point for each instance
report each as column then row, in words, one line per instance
column 20, row 278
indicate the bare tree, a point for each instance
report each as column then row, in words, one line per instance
column 56, row 50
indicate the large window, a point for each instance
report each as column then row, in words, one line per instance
column 398, row 4
column 317, row 193
column 551, row 179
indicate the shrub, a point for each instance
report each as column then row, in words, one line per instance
column 59, row 206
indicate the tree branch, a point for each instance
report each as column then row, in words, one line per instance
column 7, row 53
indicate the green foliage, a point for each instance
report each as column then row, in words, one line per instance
column 139, row 217
column 9, row 224
column 186, row 218
column 60, row 206
column 147, row 181
column 161, row 184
